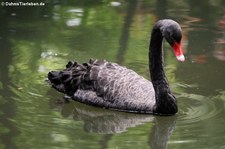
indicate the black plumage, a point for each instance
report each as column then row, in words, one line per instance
column 109, row 85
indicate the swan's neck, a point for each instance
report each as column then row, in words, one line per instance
column 165, row 101
column 156, row 56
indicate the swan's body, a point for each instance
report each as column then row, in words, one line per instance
column 109, row 85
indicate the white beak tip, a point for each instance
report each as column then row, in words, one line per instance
column 180, row 58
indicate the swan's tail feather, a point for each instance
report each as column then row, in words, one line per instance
column 73, row 77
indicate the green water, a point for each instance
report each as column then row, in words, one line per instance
column 37, row 39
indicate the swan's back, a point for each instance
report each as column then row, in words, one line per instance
column 105, row 84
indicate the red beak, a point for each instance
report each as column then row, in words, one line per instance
column 178, row 52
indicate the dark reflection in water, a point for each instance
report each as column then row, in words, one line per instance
column 125, row 30
column 162, row 131
column 5, row 60
column 109, row 122
column 35, row 40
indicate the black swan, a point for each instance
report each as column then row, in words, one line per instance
column 109, row 85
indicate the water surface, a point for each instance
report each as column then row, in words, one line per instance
column 35, row 40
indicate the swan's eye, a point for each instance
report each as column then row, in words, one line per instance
column 177, row 36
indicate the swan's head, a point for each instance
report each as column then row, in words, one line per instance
column 171, row 30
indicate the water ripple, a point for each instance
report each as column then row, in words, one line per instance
column 197, row 108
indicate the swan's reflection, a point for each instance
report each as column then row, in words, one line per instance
column 109, row 122
column 162, row 131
